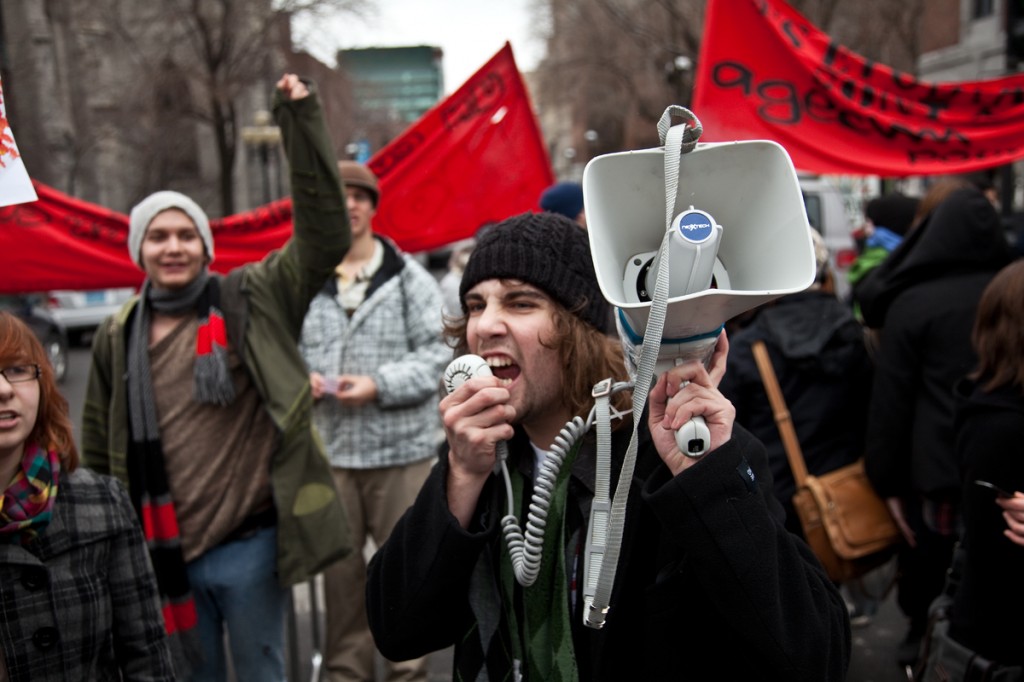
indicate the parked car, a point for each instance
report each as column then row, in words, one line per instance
column 826, row 212
column 82, row 311
column 51, row 333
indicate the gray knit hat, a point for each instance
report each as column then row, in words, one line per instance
column 546, row 250
column 147, row 209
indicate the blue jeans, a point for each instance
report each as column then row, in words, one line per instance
column 235, row 586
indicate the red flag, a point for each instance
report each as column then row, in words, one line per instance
column 765, row 72
column 476, row 157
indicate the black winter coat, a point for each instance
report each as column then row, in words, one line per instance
column 990, row 430
column 709, row 584
column 925, row 296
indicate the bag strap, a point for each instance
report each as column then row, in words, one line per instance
column 781, row 413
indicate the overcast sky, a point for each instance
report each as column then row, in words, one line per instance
column 468, row 31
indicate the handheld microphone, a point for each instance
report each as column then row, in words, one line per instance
column 464, row 368
column 525, row 548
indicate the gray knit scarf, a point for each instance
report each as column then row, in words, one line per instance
column 211, row 377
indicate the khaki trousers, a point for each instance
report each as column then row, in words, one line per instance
column 374, row 500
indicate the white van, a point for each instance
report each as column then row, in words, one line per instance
column 82, row 311
column 826, row 212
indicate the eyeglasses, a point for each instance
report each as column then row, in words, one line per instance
column 17, row 374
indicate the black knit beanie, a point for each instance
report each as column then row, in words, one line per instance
column 546, row 250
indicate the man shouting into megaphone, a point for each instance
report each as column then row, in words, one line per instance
column 709, row 584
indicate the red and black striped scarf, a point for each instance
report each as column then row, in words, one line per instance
column 147, row 473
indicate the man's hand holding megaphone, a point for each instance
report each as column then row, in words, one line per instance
column 684, row 392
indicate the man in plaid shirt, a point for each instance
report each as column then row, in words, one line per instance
column 373, row 342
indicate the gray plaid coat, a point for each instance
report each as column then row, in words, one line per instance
column 395, row 337
column 81, row 602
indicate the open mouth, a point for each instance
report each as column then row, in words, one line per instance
column 504, row 369
column 8, row 419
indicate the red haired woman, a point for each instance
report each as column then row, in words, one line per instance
column 78, row 598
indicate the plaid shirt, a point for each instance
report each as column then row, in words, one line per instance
column 79, row 603
column 395, row 337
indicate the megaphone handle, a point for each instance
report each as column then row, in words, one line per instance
column 693, row 438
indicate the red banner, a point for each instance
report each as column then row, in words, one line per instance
column 476, row 157
column 60, row 242
column 765, row 72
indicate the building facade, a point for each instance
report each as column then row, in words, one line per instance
column 394, row 87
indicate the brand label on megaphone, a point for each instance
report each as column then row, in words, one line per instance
column 694, row 226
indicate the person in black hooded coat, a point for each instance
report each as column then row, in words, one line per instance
column 924, row 298
column 817, row 351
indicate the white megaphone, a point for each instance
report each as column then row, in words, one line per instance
column 684, row 237
column 739, row 237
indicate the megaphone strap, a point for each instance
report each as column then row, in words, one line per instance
column 691, row 124
column 605, row 562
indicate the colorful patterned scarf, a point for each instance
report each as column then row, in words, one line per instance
column 27, row 505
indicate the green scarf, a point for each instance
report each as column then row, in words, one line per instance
column 546, row 627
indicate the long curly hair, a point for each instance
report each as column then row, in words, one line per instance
column 52, row 430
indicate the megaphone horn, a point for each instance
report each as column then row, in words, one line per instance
column 749, row 189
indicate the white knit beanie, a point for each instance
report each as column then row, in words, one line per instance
column 147, row 209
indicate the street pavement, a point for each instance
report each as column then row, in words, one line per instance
column 874, row 645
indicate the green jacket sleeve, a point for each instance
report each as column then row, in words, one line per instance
column 104, row 422
column 321, row 235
